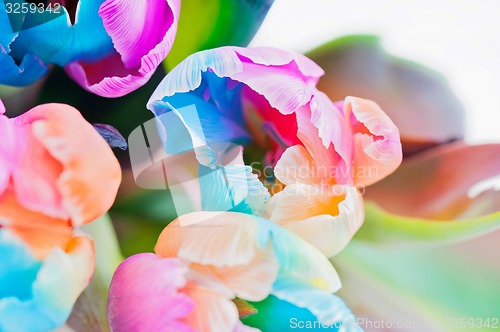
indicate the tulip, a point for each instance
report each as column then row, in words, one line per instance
column 50, row 185
column 438, row 179
column 103, row 46
column 326, row 149
column 37, row 294
column 203, row 260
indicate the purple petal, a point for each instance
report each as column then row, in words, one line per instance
column 152, row 28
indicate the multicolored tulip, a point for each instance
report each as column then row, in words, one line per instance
column 441, row 179
column 109, row 47
column 267, row 94
column 204, row 260
column 50, row 184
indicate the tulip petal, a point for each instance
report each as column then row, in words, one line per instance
column 328, row 159
column 232, row 188
column 206, row 127
column 7, row 141
column 87, row 188
column 436, row 184
column 30, row 67
column 295, row 166
column 299, row 259
column 63, row 275
column 40, row 232
column 213, row 312
column 377, row 146
column 233, row 61
column 28, row 71
column 144, row 295
column 253, row 281
column 210, row 238
column 328, row 218
column 59, row 41
column 275, row 314
column 328, row 308
column 152, row 28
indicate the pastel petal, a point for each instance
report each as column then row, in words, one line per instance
column 87, row 188
column 206, row 127
column 327, row 218
column 301, row 260
column 436, row 184
column 275, row 314
column 56, row 285
column 295, row 166
column 145, row 295
column 232, row 187
column 6, row 154
column 40, row 232
column 210, row 238
column 253, row 281
column 152, row 28
column 212, row 313
column 328, row 308
column 285, row 71
column 336, row 168
column 377, row 146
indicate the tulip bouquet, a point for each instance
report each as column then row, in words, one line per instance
column 256, row 174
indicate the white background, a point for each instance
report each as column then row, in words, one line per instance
column 459, row 38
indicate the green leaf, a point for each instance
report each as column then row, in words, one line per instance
column 426, row 286
column 209, row 24
column 386, row 229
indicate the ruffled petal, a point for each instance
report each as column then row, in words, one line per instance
column 187, row 118
column 296, row 165
column 326, row 217
column 56, row 285
column 210, row 238
column 87, row 188
column 330, row 165
column 377, row 146
column 152, row 28
column 145, row 295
